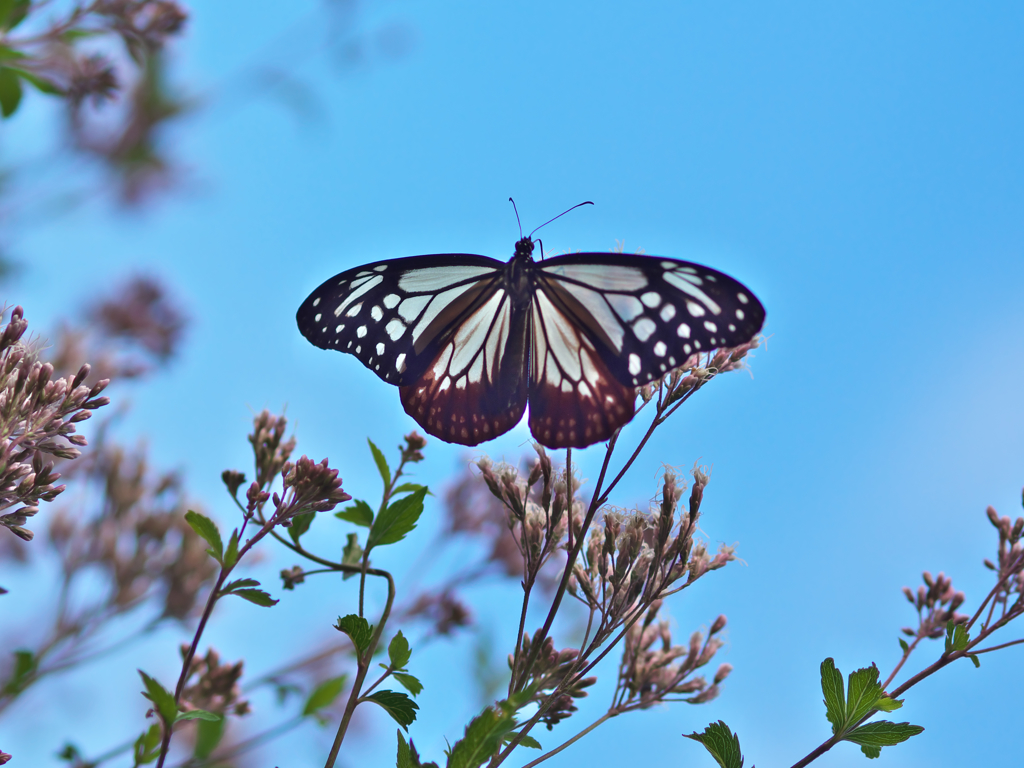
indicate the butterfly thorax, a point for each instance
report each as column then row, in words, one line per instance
column 518, row 276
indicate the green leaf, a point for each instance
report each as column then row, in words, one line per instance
column 862, row 693
column 25, row 664
column 147, row 746
column 974, row 657
column 7, row 53
column 397, row 520
column 382, row 464
column 206, row 529
column 161, row 698
column 904, row 646
column 208, row 736
column 231, row 554
column 359, row 513
column 483, row 736
column 410, row 683
column 832, row 687
column 300, row 524
column 198, row 714
column 324, row 695
column 406, row 487
column 256, row 596
column 237, row 583
column 873, row 736
column 399, row 651
column 359, row 630
column 526, row 741
column 351, row 553
column 407, row 755
column 10, row 91
column 957, row 637
column 40, row 83
column 885, row 704
column 722, row 743
column 13, row 12
column 401, row 708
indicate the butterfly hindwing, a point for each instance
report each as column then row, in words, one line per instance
column 647, row 315
column 396, row 315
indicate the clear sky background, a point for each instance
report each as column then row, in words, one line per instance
column 858, row 165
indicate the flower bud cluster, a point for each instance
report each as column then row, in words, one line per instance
column 697, row 371
column 633, row 559
column 1009, row 561
column 936, row 603
column 653, row 669
column 213, row 686
column 38, row 414
column 551, row 670
column 536, row 507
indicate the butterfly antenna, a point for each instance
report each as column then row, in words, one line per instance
column 587, row 202
column 517, row 217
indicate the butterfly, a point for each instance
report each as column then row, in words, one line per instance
column 470, row 340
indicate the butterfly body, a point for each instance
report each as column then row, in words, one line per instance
column 471, row 340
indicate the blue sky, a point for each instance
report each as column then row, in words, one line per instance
column 858, row 165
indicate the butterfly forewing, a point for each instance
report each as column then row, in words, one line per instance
column 647, row 315
column 396, row 315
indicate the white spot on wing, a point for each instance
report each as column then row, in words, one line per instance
column 660, row 349
column 353, row 311
column 380, row 347
column 668, row 312
column 316, row 302
column 391, row 300
column 643, row 328
column 395, row 328
column 710, row 326
column 739, row 314
column 695, row 309
column 377, row 313
column 742, row 297
column 683, row 331
column 634, row 364
column 652, row 299
column 627, row 307
column 361, row 331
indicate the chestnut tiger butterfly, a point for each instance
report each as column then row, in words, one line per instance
column 470, row 340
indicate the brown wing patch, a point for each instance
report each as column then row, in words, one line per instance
column 475, row 389
column 574, row 399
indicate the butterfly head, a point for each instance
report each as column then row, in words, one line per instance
column 524, row 249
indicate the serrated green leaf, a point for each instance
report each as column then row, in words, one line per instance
column 835, row 700
column 904, row 646
column 237, row 583
column 873, row 736
column 483, row 736
column 359, row 630
column 957, row 637
column 256, row 596
column 885, row 704
column 207, row 530
column 399, row 651
column 300, row 524
column 397, row 520
column 359, row 513
column 401, row 708
column 324, row 695
column 147, row 746
column 407, row 755
column 162, row 699
column 410, row 683
column 10, row 91
column 863, row 692
column 381, row 462
column 721, row 743
column 198, row 714
column 208, row 736
column 231, row 553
